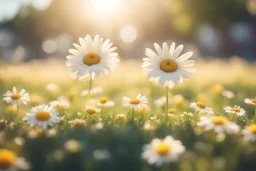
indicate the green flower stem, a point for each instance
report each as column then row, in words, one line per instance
column 90, row 87
column 196, row 118
column 18, row 109
column 132, row 114
column 166, row 105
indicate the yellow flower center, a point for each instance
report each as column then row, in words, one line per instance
column 91, row 59
column 7, row 158
column 43, row 115
column 142, row 110
column 219, row 120
column 134, row 101
column 11, row 108
column 253, row 100
column 168, row 65
column 119, row 116
column 91, row 111
column 252, row 129
column 235, row 109
column 15, row 96
column 162, row 149
column 103, row 100
column 172, row 110
column 200, row 104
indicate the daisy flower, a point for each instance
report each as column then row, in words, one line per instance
column 91, row 110
column 92, row 57
column 166, row 65
column 15, row 97
column 104, row 101
column 61, row 103
column 42, row 115
column 143, row 110
column 9, row 161
column 201, row 107
column 137, row 103
column 160, row 101
column 120, row 116
column 235, row 110
column 250, row 101
column 250, row 133
column 162, row 151
column 218, row 123
column 228, row 94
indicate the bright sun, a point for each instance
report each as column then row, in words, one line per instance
column 104, row 5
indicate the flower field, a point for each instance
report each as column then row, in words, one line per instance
column 209, row 126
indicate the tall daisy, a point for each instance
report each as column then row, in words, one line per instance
column 167, row 67
column 219, row 124
column 42, row 115
column 162, row 151
column 135, row 104
column 92, row 58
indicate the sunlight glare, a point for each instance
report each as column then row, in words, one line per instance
column 105, row 5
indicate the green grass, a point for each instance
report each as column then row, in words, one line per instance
column 121, row 141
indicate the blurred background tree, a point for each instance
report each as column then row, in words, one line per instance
column 32, row 29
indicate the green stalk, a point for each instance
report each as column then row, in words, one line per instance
column 90, row 87
column 166, row 105
column 18, row 109
column 196, row 118
column 132, row 114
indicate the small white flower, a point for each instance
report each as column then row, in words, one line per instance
column 95, row 90
column 186, row 114
column 250, row 133
column 219, row 124
column 162, row 151
column 14, row 97
column 148, row 127
column 52, row 87
column 42, row 115
column 9, row 161
column 160, row 101
column 104, row 101
column 120, row 116
column 228, row 94
column 61, row 103
column 92, row 57
column 166, row 66
column 250, row 101
column 235, row 110
column 137, row 103
column 91, row 110
column 201, row 107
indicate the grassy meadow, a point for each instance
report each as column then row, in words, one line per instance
column 108, row 141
